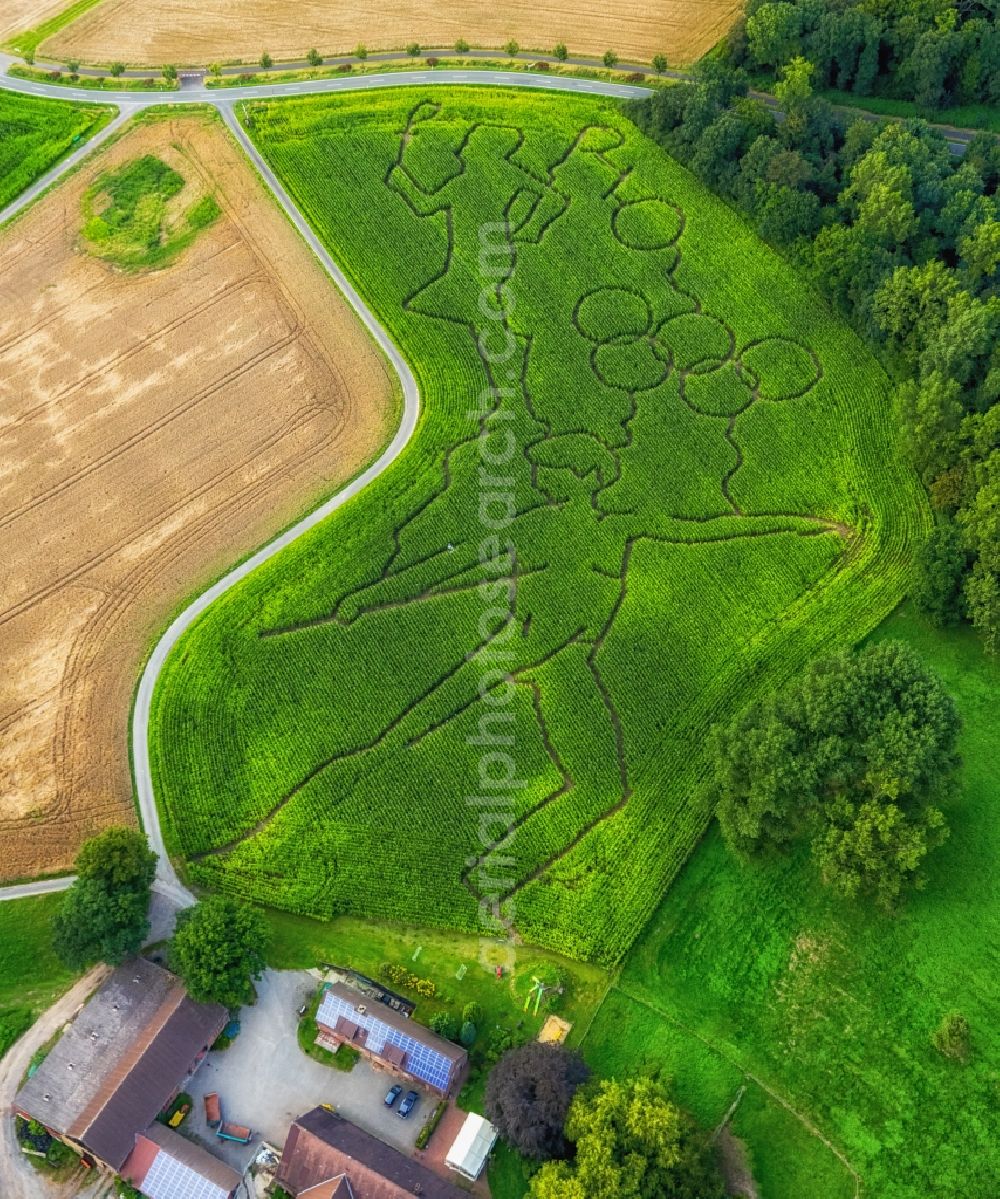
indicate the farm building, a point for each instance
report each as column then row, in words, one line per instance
column 120, row 1062
column 472, row 1146
column 328, row 1157
column 389, row 1039
column 165, row 1165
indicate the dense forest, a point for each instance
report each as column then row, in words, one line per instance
column 934, row 52
column 903, row 237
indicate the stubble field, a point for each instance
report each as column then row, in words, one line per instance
column 203, row 31
column 18, row 15
column 155, row 426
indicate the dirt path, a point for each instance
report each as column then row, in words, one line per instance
column 724, row 1053
column 17, row 1178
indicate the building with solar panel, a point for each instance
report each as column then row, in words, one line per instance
column 165, row 1165
column 389, row 1040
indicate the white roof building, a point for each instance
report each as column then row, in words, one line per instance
column 472, row 1146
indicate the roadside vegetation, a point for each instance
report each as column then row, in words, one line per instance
column 676, row 348
column 36, row 134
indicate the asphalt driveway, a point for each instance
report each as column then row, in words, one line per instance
column 265, row 1080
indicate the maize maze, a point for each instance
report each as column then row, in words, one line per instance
column 704, row 493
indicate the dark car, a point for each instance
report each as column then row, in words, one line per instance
column 394, row 1094
column 408, row 1104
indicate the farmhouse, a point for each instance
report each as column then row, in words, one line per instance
column 124, row 1057
column 389, row 1039
column 327, row 1157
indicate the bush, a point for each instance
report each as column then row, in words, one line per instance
column 401, row 977
column 474, row 1012
column 952, row 1037
column 468, row 1034
column 425, row 1134
column 635, row 77
column 501, row 1041
column 345, row 66
column 445, row 1025
column 432, row 61
column 542, row 65
column 55, row 76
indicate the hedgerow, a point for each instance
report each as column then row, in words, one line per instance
column 706, row 494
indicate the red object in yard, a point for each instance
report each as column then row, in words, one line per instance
column 234, row 1132
column 213, row 1110
column 499, row 971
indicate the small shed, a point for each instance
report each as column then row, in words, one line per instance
column 472, row 1146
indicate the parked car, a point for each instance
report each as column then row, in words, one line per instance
column 408, row 1104
column 394, row 1094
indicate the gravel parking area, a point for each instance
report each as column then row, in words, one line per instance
column 265, row 1081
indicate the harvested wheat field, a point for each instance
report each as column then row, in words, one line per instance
column 204, row 31
column 155, row 425
column 18, row 15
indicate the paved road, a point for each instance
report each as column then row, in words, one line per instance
column 43, row 886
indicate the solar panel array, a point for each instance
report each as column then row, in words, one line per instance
column 422, row 1061
column 168, row 1178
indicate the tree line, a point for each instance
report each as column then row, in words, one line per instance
column 903, row 238
column 935, row 53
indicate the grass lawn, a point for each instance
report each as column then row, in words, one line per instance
column 966, row 116
column 300, row 943
column 31, row 976
column 830, row 1005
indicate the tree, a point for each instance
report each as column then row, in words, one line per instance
column 361, row 51
column 413, row 49
column 216, row 70
column 468, row 1034
column 474, row 1012
column 218, row 950
column 857, row 756
column 104, row 915
column 953, row 1037
column 266, row 61
column 528, row 1094
column 73, row 67
column 939, row 568
column 560, row 51
column 659, row 63
column 875, row 847
column 118, row 857
column 170, row 73
column 98, row 923
column 314, row 58
column 117, row 69
column 930, row 412
column 461, row 46
column 512, row 48
column 794, row 93
column 773, row 34
column 610, row 59
column 631, row 1142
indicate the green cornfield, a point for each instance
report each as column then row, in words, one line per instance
column 36, row 133
column 652, row 477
